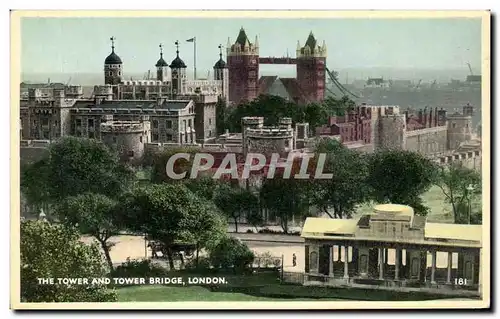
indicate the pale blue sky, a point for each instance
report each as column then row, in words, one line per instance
column 73, row 45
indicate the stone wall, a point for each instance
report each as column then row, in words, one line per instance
column 427, row 141
column 391, row 132
column 471, row 159
column 127, row 138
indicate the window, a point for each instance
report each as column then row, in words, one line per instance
column 453, row 125
column 130, row 153
column 91, row 122
column 169, row 137
column 415, row 265
column 155, row 124
column 189, row 123
column 78, row 122
column 154, row 137
column 210, row 121
column 46, row 135
column 468, row 270
column 140, row 139
column 168, row 124
column 209, row 133
column 313, row 260
column 91, row 135
column 363, row 261
column 114, row 139
column 45, row 121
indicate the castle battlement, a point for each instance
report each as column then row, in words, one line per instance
column 35, row 143
column 269, row 132
column 122, row 127
column 421, row 131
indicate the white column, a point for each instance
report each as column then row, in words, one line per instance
column 346, row 262
column 330, row 272
column 398, row 257
column 448, row 277
column 381, row 263
column 433, row 269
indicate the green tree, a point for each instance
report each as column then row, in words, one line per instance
column 75, row 166
column 203, row 186
column 348, row 186
column 338, row 107
column 171, row 213
column 236, row 202
column 55, row 251
column 254, row 216
column 316, row 114
column 95, row 215
column 286, row 198
column 400, row 177
column 220, row 116
column 181, row 165
column 454, row 181
column 231, row 253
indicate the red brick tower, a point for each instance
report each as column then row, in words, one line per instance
column 311, row 64
column 243, row 65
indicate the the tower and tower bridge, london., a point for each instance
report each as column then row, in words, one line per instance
column 138, row 117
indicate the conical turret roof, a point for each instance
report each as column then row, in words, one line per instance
column 242, row 38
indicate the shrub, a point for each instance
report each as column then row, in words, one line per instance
column 138, row 268
column 231, row 253
column 249, row 231
column 203, row 263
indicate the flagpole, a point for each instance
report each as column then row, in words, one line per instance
column 194, row 58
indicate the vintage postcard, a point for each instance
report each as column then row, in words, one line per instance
column 250, row 160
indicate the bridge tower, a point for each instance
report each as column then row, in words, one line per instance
column 243, row 65
column 311, row 65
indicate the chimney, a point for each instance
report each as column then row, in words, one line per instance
column 426, row 118
column 431, row 118
column 332, row 120
column 436, row 122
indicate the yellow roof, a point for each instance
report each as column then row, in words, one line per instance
column 453, row 231
column 393, row 208
column 329, row 225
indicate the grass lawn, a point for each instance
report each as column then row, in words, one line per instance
column 261, row 287
column 230, row 291
column 194, row 293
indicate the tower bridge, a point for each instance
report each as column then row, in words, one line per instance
column 275, row 60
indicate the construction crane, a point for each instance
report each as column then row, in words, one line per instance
column 69, row 80
column 470, row 68
column 418, row 84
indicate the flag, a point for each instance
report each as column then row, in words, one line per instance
column 190, row 40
